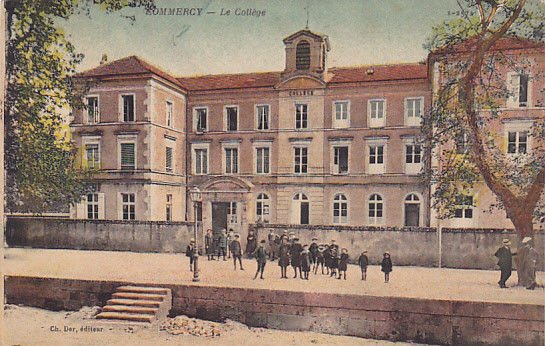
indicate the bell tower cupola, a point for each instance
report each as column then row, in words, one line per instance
column 306, row 53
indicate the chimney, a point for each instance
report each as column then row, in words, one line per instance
column 104, row 59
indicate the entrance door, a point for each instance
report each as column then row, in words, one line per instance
column 219, row 215
column 412, row 215
column 304, row 213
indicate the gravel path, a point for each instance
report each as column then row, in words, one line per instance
column 418, row 282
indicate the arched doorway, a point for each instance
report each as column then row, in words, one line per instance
column 412, row 210
column 300, row 209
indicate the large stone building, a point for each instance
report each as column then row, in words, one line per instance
column 306, row 145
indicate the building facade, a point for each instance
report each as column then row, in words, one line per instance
column 306, row 145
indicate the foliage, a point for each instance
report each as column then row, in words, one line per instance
column 469, row 109
column 39, row 159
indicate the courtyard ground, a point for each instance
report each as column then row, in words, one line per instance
column 31, row 326
column 415, row 282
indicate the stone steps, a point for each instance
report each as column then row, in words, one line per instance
column 137, row 304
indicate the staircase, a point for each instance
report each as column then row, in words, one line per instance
column 138, row 304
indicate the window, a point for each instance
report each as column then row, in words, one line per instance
column 302, row 56
column 301, row 160
column 340, row 160
column 92, row 206
column 168, row 210
column 127, row 155
column 201, row 115
column 413, row 111
column 92, row 155
column 340, row 209
column 517, row 142
column 341, row 111
column 262, row 160
column 464, row 207
column 232, row 212
column 376, row 158
column 376, row 209
column 201, row 161
column 128, row 107
column 128, row 206
column 231, row 160
column 169, row 114
column 262, row 208
column 93, row 114
column 262, row 117
column 231, row 114
column 168, row 159
column 377, row 113
column 301, row 116
column 518, row 90
column 413, row 158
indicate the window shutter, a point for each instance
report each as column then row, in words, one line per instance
column 127, row 156
column 101, row 206
column 81, row 208
column 168, row 159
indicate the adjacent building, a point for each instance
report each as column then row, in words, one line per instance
column 307, row 145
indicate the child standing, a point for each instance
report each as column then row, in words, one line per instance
column 319, row 259
column 334, row 261
column 343, row 263
column 363, row 262
column 261, row 257
column 189, row 252
column 386, row 266
column 305, row 262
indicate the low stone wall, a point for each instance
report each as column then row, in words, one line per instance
column 460, row 248
column 138, row 236
column 389, row 318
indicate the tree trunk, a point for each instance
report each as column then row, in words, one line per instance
column 524, row 228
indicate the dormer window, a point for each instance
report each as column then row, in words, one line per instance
column 302, row 56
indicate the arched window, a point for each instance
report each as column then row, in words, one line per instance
column 301, row 209
column 376, row 209
column 262, row 208
column 412, row 210
column 302, row 56
column 340, row 209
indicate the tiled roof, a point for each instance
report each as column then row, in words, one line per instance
column 378, row 73
column 338, row 75
column 504, row 43
column 231, row 81
column 131, row 65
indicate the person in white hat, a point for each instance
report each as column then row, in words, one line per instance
column 528, row 255
column 505, row 262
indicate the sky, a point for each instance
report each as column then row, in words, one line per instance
column 361, row 32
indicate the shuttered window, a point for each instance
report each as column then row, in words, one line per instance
column 127, row 156
column 168, row 159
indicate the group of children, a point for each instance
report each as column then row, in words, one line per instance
column 329, row 258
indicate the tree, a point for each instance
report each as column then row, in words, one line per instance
column 40, row 160
column 472, row 54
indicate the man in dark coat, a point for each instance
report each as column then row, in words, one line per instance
column 236, row 250
column 261, row 258
column 313, row 252
column 209, row 244
column 295, row 256
column 505, row 262
column 222, row 244
column 284, row 257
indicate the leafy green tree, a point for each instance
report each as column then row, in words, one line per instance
column 41, row 174
column 469, row 108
